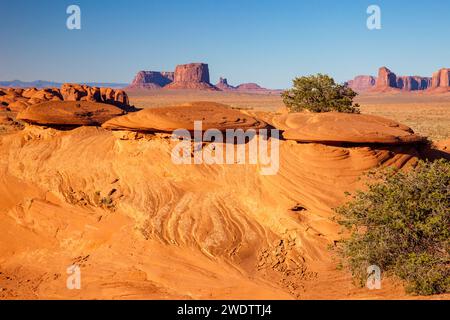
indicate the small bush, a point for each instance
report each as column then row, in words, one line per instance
column 401, row 223
column 319, row 93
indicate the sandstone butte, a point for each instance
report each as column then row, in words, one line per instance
column 151, row 80
column 167, row 119
column 388, row 81
column 223, row 85
column 191, row 76
column 362, row 83
column 441, row 80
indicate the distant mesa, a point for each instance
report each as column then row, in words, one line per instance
column 223, row 85
column 362, row 83
column 250, row 87
column 388, row 81
column 41, row 84
column 441, row 80
column 152, row 79
column 191, row 76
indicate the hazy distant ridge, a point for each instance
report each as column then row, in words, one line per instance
column 45, row 84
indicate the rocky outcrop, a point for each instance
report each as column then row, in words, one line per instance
column 388, row 80
column 191, row 76
column 68, row 92
column 69, row 113
column 97, row 104
column 167, row 119
column 441, row 79
column 152, row 79
column 223, row 85
column 334, row 127
column 362, row 83
column 413, row 83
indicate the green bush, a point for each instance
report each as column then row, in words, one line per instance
column 319, row 93
column 401, row 223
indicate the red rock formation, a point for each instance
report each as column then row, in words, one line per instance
column 413, row 83
column 386, row 79
column 152, row 79
column 191, row 76
column 441, row 79
column 17, row 100
column 335, row 127
column 169, row 118
column 223, row 85
column 362, row 83
column 69, row 113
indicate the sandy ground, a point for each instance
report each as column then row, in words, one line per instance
column 141, row 227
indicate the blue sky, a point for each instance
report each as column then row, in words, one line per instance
column 269, row 42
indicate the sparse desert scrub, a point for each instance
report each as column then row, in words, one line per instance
column 401, row 223
column 319, row 93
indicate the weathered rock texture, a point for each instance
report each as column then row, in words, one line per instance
column 72, row 105
column 167, row 119
column 191, row 76
column 69, row 113
column 152, row 79
column 334, row 127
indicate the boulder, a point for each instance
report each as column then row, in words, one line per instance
column 167, row 119
column 69, row 113
column 334, row 127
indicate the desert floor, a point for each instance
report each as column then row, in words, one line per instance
column 141, row 227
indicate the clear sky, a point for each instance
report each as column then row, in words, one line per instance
column 269, row 42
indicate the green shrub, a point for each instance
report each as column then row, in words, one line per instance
column 401, row 223
column 319, row 93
